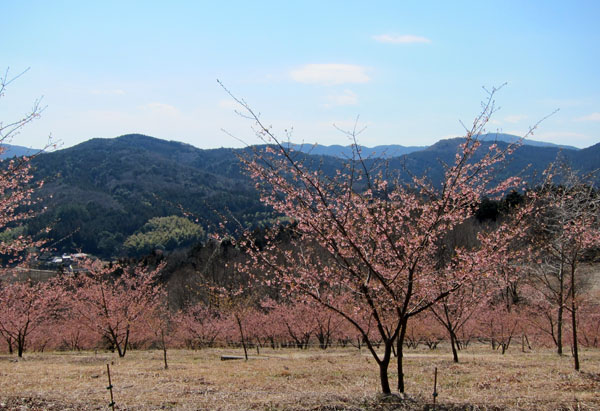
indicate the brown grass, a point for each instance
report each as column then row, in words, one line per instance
column 298, row 380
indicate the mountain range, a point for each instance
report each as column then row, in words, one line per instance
column 100, row 192
column 9, row 151
column 396, row 150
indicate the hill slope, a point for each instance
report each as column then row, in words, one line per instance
column 9, row 151
column 102, row 191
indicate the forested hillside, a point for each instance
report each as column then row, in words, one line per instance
column 101, row 192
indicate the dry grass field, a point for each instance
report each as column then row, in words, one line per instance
column 297, row 380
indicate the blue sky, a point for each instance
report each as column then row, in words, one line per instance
column 410, row 69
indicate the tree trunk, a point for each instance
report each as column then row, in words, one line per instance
column 20, row 340
column 239, row 323
column 9, row 341
column 20, row 346
column 453, row 344
column 561, row 304
column 121, row 347
column 574, row 319
column 164, row 347
column 383, row 368
column 125, row 344
column 559, row 329
column 399, row 352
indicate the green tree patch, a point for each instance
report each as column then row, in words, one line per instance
column 165, row 233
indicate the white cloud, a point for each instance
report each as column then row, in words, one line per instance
column 515, row 118
column 107, row 92
column 330, row 74
column 400, row 39
column 589, row 117
column 347, row 98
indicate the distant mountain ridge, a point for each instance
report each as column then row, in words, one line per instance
column 10, row 151
column 383, row 151
column 99, row 192
column 335, row 150
column 396, row 150
column 510, row 138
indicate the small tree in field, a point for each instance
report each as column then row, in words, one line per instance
column 68, row 334
column 454, row 311
column 199, row 326
column 568, row 225
column 25, row 306
column 240, row 309
column 589, row 320
column 371, row 238
column 298, row 320
column 157, row 322
column 112, row 301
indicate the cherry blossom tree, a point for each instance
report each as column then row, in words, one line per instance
column 26, row 306
column 240, row 310
column 15, row 188
column 326, row 325
column 568, row 224
column 503, row 255
column 158, row 324
column 425, row 329
column 269, row 330
column 454, row 311
column 589, row 320
column 364, row 234
column 68, row 334
column 199, row 326
column 298, row 321
column 111, row 301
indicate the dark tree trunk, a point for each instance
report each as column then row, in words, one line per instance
column 239, row 323
column 453, row 343
column 561, row 305
column 9, row 341
column 164, row 347
column 559, row 345
column 399, row 351
column 574, row 320
column 21, row 342
column 383, row 368
column 121, row 347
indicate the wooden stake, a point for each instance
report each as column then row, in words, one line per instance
column 110, row 387
column 435, row 393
